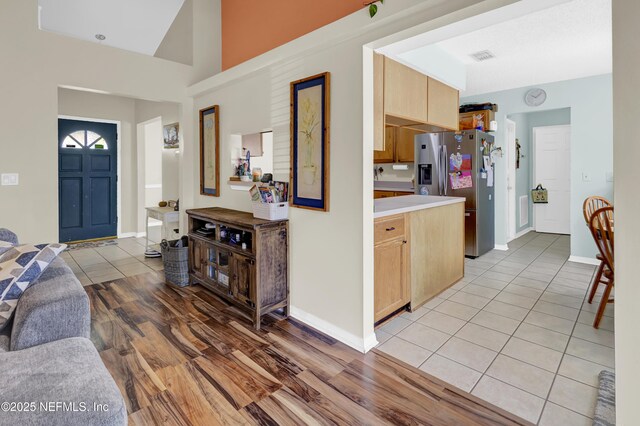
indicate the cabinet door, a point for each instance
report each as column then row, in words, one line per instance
column 243, row 279
column 444, row 104
column 391, row 291
column 405, row 145
column 405, row 92
column 386, row 156
column 378, row 103
column 196, row 262
column 383, row 194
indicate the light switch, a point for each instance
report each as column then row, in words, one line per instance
column 586, row 177
column 9, row 179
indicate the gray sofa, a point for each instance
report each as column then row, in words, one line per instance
column 51, row 372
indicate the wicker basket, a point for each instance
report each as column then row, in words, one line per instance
column 176, row 261
column 270, row 211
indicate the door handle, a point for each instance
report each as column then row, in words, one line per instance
column 467, row 214
column 391, row 229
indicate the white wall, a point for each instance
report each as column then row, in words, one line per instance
column 331, row 253
column 129, row 112
column 40, row 63
column 626, row 92
column 591, row 103
column 92, row 105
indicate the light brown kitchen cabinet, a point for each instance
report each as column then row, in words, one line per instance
column 405, row 145
column 378, row 103
column 405, row 92
column 437, row 251
column 387, row 155
column 391, row 268
column 378, row 193
column 383, row 194
column 443, row 103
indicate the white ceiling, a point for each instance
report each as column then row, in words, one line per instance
column 135, row 25
column 567, row 41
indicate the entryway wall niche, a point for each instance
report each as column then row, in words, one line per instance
column 128, row 112
column 525, row 123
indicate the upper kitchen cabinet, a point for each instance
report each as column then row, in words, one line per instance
column 405, row 92
column 378, row 103
column 443, row 103
column 388, row 152
column 405, row 145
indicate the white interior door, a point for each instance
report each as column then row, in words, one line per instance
column 552, row 169
column 510, row 129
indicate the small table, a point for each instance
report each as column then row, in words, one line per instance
column 165, row 214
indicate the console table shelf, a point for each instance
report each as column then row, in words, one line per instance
column 240, row 258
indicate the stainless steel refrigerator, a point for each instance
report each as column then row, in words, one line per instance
column 455, row 165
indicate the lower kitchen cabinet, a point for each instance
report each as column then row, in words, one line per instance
column 391, row 268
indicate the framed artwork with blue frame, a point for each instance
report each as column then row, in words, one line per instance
column 210, row 151
column 310, row 114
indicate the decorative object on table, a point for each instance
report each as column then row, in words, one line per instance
column 535, row 97
column 518, row 146
column 162, row 204
column 171, row 135
column 257, row 174
column 373, row 7
column 210, row 151
column 266, row 178
column 310, row 116
column 20, row 266
column 539, row 195
column 270, row 202
column 175, row 257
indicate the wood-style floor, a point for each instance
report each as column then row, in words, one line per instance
column 184, row 357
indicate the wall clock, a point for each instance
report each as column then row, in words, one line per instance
column 535, row 97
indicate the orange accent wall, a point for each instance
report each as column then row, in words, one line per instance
column 252, row 27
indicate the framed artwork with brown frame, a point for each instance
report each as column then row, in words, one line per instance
column 310, row 117
column 210, row 151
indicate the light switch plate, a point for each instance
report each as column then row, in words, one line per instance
column 9, row 179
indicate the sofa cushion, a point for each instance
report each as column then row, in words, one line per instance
column 4, row 246
column 19, row 267
column 8, row 236
column 55, row 307
column 66, row 371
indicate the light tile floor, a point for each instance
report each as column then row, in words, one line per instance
column 96, row 265
column 516, row 331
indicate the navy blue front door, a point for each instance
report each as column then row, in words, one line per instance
column 87, row 180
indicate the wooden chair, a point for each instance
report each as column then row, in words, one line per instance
column 590, row 205
column 602, row 230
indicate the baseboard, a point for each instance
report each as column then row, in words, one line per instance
column 370, row 342
column 127, row 235
column 501, row 247
column 357, row 343
column 141, row 235
column 523, row 232
column 585, row 260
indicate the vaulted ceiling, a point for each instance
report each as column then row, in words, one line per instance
column 138, row 26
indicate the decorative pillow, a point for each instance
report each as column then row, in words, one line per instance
column 4, row 246
column 19, row 267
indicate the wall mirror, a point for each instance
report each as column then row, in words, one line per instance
column 210, row 151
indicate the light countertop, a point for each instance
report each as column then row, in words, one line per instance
column 408, row 203
column 393, row 186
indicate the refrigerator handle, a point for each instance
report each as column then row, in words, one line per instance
column 445, row 170
column 440, row 171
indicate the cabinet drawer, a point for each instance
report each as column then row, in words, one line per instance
column 388, row 228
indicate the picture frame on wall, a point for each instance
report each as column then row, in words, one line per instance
column 210, row 151
column 310, row 119
column 171, row 137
